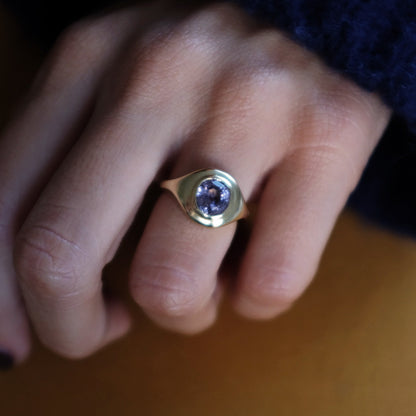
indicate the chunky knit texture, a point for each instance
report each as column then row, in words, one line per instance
column 371, row 41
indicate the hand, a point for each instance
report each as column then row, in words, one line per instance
column 121, row 95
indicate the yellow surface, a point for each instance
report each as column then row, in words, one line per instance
column 346, row 348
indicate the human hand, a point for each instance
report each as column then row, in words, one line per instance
column 119, row 97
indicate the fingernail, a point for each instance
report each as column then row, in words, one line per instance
column 6, row 361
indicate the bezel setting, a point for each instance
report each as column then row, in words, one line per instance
column 185, row 190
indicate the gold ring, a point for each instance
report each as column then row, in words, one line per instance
column 210, row 197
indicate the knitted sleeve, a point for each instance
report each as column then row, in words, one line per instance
column 372, row 42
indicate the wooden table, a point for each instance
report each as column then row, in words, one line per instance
column 346, row 348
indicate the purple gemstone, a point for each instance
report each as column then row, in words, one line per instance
column 212, row 197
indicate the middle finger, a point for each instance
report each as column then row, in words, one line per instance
column 80, row 218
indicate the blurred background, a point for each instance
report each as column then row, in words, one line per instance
column 346, row 348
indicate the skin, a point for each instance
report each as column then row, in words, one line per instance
column 127, row 95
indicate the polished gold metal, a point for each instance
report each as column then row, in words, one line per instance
column 184, row 190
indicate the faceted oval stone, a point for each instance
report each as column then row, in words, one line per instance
column 212, row 197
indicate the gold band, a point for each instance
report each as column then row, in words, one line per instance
column 188, row 191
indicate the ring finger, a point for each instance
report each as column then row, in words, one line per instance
column 174, row 271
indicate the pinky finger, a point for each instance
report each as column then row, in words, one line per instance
column 297, row 211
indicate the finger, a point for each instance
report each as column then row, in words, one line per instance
column 191, row 323
column 80, row 218
column 35, row 142
column 174, row 271
column 72, row 231
column 299, row 207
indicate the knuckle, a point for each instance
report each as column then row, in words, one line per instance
column 336, row 121
column 274, row 287
column 248, row 88
column 322, row 158
column 83, row 38
column 175, row 50
column 165, row 63
column 215, row 15
column 75, row 51
column 47, row 263
column 325, row 146
column 274, row 53
column 334, row 110
column 166, row 291
column 147, row 72
column 257, row 78
column 168, row 48
column 210, row 26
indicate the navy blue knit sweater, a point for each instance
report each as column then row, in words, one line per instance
column 373, row 42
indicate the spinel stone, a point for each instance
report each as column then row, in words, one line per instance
column 212, row 197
